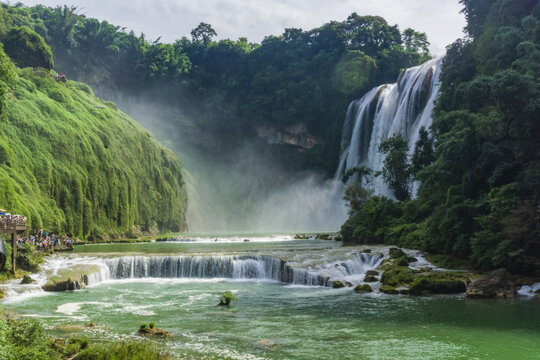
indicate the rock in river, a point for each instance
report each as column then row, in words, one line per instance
column 498, row 283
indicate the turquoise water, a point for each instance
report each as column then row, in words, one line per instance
column 278, row 321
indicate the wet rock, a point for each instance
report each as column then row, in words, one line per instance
column 402, row 261
column 411, row 259
column 27, row 280
column 365, row 288
column 438, row 283
column 338, row 284
column 64, row 285
column 367, row 251
column 397, row 276
column 498, row 283
column 396, row 253
column 388, row 290
column 91, row 325
column 370, row 278
column 153, row 332
column 372, row 272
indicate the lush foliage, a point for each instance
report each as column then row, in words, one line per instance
column 232, row 88
column 143, row 350
column 479, row 197
column 75, row 164
column 27, row 340
column 26, row 48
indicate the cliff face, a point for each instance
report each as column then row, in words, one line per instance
column 76, row 164
column 296, row 135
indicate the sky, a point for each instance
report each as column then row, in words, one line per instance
column 171, row 19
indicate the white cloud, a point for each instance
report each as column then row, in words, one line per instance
column 172, row 19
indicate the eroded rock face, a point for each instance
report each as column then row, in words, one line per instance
column 498, row 283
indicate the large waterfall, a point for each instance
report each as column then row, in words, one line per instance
column 400, row 108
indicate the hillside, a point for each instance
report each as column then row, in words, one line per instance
column 76, row 164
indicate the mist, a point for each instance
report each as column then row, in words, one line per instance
column 246, row 190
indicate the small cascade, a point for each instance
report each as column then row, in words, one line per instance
column 400, row 108
column 236, row 268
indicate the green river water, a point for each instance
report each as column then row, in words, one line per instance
column 272, row 320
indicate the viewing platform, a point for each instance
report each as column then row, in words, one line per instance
column 11, row 224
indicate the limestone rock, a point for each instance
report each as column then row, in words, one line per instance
column 388, row 290
column 363, row 288
column 27, row 280
column 370, row 278
column 498, row 283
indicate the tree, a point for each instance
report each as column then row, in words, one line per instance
column 416, row 43
column 424, row 153
column 203, row 33
column 27, row 48
column 397, row 172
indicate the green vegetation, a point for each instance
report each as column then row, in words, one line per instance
column 144, row 350
column 26, row 48
column 226, row 298
column 479, row 196
column 75, row 168
column 231, row 87
column 27, row 340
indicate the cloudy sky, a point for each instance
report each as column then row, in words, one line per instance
column 172, row 19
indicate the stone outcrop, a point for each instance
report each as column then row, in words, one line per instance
column 56, row 285
column 498, row 283
column 363, row 288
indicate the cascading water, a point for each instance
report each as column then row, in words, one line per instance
column 237, row 268
column 400, row 108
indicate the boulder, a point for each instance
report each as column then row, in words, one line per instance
column 397, row 276
column 437, row 284
column 402, row 261
column 370, row 278
column 27, row 280
column 367, row 251
column 498, row 283
column 388, row 290
column 396, row 253
column 372, row 272
column 153, row 332
column 363, row 288
column 63, row 285
column 338, row 284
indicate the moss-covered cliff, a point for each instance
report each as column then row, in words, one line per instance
column 76, row 164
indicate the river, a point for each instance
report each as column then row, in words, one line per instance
column 275, row 316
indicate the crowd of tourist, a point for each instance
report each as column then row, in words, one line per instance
column 7, row 218
column 42, row 240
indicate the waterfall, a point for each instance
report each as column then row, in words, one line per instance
column 235, row 267
column 400, row 108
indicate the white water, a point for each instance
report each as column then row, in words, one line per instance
column 299, row 270
column 400, row 108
